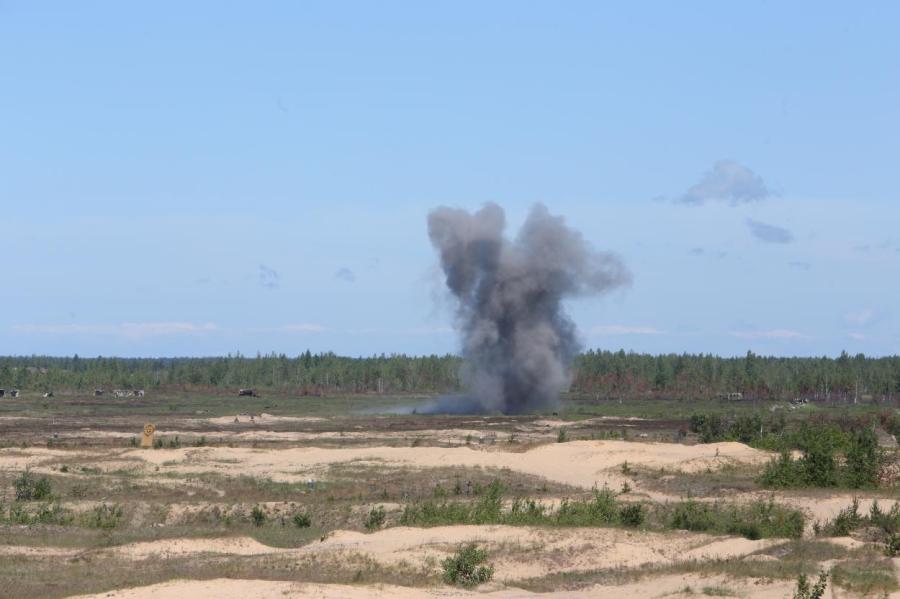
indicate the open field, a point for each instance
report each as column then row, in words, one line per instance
column 327, row 497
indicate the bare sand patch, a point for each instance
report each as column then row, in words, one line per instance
column 579, row 463
column 525, row 552
column 262, row 418
column 169, row 548
column 222, row 588
column 31, row 551
column 517, row 552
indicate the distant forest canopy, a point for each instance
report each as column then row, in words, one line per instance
column 596, row 373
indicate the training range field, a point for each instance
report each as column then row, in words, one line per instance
column 281, row 496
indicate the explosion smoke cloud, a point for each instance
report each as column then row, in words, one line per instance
column 518, row 343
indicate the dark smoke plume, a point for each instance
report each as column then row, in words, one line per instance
column 518, row 343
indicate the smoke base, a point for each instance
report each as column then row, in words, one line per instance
column 517, row 341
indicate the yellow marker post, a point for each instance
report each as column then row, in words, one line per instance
column 147, row 440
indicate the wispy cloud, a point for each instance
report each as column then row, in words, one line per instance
column 617, row 329
column 345, row 274
column 857, row 336
column 268, row 277
column 727, row 181
column 769, row 233
column 770, row 334
column 865, row 317
column 304, row 327
column 130, row 330
column 800, row 265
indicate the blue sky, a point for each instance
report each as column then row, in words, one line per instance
column 203, row 178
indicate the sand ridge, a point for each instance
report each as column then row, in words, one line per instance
column 584, row 464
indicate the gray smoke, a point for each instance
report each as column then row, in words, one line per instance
column 518, row 343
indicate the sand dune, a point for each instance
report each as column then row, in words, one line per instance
column 579, row 463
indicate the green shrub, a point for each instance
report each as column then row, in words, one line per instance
column 746, row 428
column 30, row 488
column 562, row 436
column 692, row 515
column 464, row 567
column 818, row 466
column 104, row 516
column 864, row 459
column 258, row 515
column 302, row 520
column 709, row 427
column 781, row 472
column 846, row 521
column 893, row 546
column 375, row 519
column 632, row 514
column 817, row 591
column 760, row 519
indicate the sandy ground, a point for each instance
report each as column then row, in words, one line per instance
column 667, row 586
column 583, row 464
column 261, row 419
column 521, row 552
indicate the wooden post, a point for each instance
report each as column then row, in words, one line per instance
column 147, row 439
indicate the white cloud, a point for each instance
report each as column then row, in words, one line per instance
column 130, row 330
column 305, row 327
column 770, row 334
column 617, row 329
column 727, row 181
column 863, row 318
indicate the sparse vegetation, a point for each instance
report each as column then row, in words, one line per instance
column 821, row 466
column 465, row 568
column 302, row 520
column 28, row 487
column 883, row 527
column 258, row 515
column 374, row 519
column 816, row 591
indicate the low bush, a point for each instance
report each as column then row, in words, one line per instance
column 105, row 517
column 258, row 516
column 760, row 519
column 820, row 465
column 464, row 567
column 30, row 488
column 632, row 514
column 302, row 520
column 375, row 519
column 817, row 591
column 886, row 525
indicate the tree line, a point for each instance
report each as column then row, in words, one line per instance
column 596, row 373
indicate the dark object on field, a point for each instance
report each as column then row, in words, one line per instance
column 48, row 394
column 98, row 392
column 2, row 392
column 14, row 393
column 247, row 393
